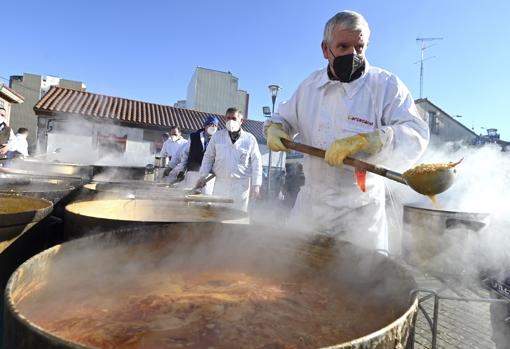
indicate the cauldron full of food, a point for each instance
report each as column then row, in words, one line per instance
column 53, row 189
column 208, row 285
column 18, row 214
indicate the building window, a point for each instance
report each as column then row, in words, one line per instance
column 111, row 144
column 434, row 122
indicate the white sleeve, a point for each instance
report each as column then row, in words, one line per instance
column 12, row 143
column 183, row 159
column 256, row 164
column 405, row 135
column 174, row 161
column 163, row 153
column 209, row 156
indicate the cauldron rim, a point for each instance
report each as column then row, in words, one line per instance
column 440, row 211
column 354, row 343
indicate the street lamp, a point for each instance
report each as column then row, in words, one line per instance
column 273, row 89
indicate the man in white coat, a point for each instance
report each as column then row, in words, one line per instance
column 20, row 148
column 191, row 156
column 172, row 148
column 354, row 109
column 234, row 157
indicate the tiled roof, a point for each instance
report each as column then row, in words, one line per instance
column 10, row 94
column 59, row 101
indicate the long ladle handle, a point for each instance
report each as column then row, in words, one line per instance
column 381, row 171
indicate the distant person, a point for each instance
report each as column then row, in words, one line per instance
column 171, row 148
column 20, row 146
column 192, row 154
column 294, row 180
column 234, row 157
column 349, row 108
column 7, row 136
column 163, row 139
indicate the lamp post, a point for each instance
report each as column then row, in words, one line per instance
column 273, row 89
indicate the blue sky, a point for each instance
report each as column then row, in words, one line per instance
column 148, row 50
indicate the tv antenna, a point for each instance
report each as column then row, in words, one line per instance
column 424, row 46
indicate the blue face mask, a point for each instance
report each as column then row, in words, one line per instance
column 348, row 67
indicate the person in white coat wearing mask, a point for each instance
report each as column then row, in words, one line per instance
column 7, row 137
column 353, row 109
column 172, row 148
column 192, row 154
column 20, row 148
column 234, row 157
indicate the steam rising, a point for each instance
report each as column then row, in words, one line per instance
column 482, row 186
column 79, row 144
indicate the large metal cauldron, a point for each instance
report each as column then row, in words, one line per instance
column 112, row 267
column 134, row 189
column 53, row 168
column 435, row 240
column 18, row 214
column 45, row 188
column 89, row 217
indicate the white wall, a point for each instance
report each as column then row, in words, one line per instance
column 77, row 141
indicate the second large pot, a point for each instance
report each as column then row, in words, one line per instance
column 90, row 217
column 436, row 240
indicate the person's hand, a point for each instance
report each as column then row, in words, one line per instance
column 171, row 179
column 4, row 148
column 369, row 143
column 167, row 171
column 274, row 134
column 255, row 192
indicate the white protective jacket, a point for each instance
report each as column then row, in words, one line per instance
column 172, row 149
column 321, row 111
column 191, row 177
column 235, row 166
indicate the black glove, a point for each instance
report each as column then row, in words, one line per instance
column 167, row 171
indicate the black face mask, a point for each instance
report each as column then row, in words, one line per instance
column 348, row 67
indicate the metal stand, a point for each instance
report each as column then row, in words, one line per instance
column 437, row 296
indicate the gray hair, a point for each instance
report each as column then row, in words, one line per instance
column 347, row 20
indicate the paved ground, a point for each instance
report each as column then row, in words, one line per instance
column 461, row 324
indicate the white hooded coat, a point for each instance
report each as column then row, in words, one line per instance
column 321, row 111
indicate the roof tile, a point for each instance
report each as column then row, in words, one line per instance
column 61, row 100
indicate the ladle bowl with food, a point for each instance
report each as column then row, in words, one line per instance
column 431, row 179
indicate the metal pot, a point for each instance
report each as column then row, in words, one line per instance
column 141, row 190
column 82, row 269
column 87, row 217
column 18, row 214
column 434, row 239
column 53, row 168
column 50, row 188
column 16, row 174
column 160, row 162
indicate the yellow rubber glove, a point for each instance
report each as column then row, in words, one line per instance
column 374, row 142
column 274, row 133
column 369, row 143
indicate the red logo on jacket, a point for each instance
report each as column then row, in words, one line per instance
column 359, row 120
